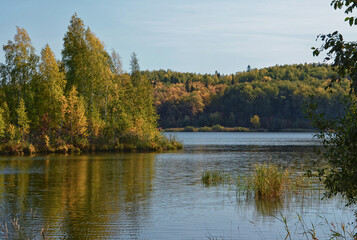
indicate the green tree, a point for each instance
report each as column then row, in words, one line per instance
column 18, row 71
column 49, row 89
column 91, row 69
column 116, row 63
column 135, row 70
column 76, row 121
column 340, row 177
column 74, row 54
column 22, row 119
column 2, row 123
column 100, row 81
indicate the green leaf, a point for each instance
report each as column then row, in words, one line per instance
column 351, row 21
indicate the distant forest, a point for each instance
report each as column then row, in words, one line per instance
column 276, row 94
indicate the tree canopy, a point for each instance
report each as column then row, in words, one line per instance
column 84, row 102
column 276, row 94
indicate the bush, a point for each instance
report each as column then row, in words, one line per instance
column 217, row 128
column 189, row 129
column 205, row 129
column 339, row 139
column 241, row 129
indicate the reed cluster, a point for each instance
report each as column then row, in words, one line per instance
column 215, row 177
column 268, row 181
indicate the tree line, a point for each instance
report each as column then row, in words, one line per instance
column 277, row 95
column 83, row 102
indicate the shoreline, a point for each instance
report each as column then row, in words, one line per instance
column 233, row 129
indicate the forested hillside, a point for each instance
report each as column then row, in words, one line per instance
column 276, row 95
column 84, row 102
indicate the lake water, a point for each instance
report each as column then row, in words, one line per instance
column 160, row 195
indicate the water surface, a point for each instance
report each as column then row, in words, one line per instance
column 160, row 196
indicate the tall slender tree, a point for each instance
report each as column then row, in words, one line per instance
column 18, row 71
column 76, row 121
column 74, row 54
column 49, row 89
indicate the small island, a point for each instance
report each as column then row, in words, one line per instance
column 83, row 103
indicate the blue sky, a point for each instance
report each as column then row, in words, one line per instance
column 184, row 35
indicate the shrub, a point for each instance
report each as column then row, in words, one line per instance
column 189, row 129
column 205, row 129
column 217, row 128
column 241, row 129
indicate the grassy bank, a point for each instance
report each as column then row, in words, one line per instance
column 132, row 143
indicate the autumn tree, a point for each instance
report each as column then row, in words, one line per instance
column 23, row 122
column 18, row 71
column 116, row 63
column 84, row 100
column 2, row 124
column 137, row 110
column 49, row 89
column 75, row 118
column 255, row 121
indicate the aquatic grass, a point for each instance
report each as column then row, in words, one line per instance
column 10, row 228
column 313, row 231
column 215, row 177
column 323, row 229
column 268, row 181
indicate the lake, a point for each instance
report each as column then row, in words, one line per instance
column 160, row 195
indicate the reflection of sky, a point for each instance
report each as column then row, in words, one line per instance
column 239, row 139
column 195, row 36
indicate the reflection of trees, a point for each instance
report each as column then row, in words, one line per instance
column 86, row 196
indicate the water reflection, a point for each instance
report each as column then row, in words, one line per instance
column 159, row 196
column 82, row 197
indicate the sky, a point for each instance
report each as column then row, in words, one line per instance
column 199, row 36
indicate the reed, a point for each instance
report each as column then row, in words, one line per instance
column 11, row 228
column 268, row 181
column 323, row 229
column 215, row 177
